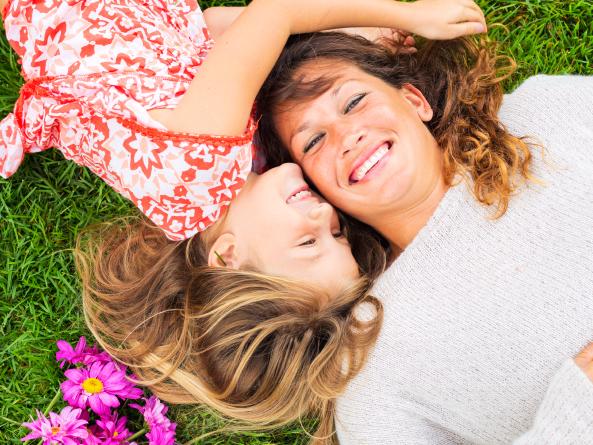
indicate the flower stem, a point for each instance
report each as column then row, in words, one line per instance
column 53, row 402
column 136, row 435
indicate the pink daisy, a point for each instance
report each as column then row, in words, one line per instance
column 113, row 431
column 65, row 428
column 98, row 386
column 79, row 354
column 162, row 430
column 154, row 411
column 161, row 435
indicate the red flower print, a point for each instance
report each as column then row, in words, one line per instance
column 87, row 50
column 144, row 153
column 229, row 184
column 98, row 135
column 180, row 191
column 124, row 63
column 49, row 5
column 48, row 47
column 189, row 175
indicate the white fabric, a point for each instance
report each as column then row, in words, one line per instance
column 483, row 316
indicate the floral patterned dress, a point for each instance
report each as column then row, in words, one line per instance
column 93, row 69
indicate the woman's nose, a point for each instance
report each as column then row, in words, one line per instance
column 351, row 140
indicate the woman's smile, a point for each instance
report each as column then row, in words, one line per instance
column 370, row 163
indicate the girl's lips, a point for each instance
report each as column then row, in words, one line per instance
column 303, row 192
column 363, row 168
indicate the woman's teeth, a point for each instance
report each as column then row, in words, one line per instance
column 298, row 196
column 361, row 171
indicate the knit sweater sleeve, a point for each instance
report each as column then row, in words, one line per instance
column 565, row 416
column 566, row 413
column 397, row 426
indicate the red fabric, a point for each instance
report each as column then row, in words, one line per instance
column 93, row 69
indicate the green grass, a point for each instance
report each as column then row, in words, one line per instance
column 49, row 200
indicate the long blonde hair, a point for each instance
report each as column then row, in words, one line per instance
column 260, row 349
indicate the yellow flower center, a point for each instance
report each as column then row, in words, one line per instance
column 55, row 430
column 115, row 434
column 92, row 385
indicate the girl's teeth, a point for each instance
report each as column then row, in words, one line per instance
column 370, row 162
column 300, row 195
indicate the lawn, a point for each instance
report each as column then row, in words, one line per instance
column 49, row 200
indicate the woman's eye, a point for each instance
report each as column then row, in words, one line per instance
column 354, row 102
column 312, row 143
column 339, row 234
column 309, row 242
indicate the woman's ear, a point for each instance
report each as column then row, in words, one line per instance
column 414, row 97
column 223, row 252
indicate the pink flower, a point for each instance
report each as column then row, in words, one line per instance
column 98, row 386
column 161, row 435
column 162, row 430
column 65, row 428
column 80, row 353
column 154, row 411
column 112, row 431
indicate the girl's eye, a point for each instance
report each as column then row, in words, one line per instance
column 339, row 234
column 309, row 242
column 354, row 102
column 313, row 142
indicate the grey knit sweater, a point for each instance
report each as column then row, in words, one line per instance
column 483, row 316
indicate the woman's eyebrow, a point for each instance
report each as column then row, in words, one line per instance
column 336, row 90
column 305, row 125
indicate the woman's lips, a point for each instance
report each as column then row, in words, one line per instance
column 360, row 172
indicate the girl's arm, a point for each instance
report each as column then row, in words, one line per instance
column 220, row 98
column 219, row 18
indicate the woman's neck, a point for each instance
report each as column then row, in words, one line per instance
column 401, row 227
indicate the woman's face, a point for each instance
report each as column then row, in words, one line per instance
column 278, row 226
column 363, row 142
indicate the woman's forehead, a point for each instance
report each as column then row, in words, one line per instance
column 326, row 68
column 312, row 80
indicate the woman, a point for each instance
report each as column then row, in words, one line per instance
column 489, row 293
column 252, row 299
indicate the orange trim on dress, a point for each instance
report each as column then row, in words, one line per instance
column 35, row 87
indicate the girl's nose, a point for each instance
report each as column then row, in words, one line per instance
column 321, row 212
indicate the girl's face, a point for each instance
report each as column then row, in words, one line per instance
column 363, row 142
column 279, row 227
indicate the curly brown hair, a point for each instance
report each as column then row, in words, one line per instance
column 461, row 80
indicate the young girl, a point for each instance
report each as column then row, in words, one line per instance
column 137, row 92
